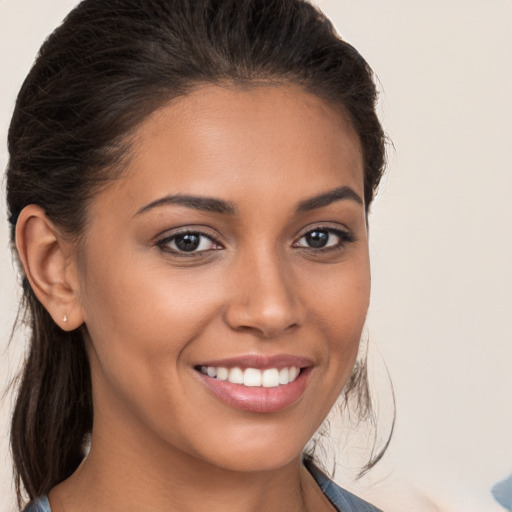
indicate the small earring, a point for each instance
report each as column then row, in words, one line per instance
column 65, row 318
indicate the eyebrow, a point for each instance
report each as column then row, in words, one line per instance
column 205, row 204
column 327, row 198
column 213, row 205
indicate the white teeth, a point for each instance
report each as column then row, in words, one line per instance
column 236, row 376
column 222, row 373
column 293, row 372
column 270, row 378
column 252, row 377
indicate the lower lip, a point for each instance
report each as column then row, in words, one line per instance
column 258, row 399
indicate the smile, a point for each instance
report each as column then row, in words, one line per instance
column 253, row 377
column 256, row 383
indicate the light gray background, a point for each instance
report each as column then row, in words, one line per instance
column 441, row 311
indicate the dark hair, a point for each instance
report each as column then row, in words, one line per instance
column 105, row 69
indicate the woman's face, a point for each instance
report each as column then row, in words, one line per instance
column 231, row 255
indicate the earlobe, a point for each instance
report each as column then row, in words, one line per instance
column 49, row 266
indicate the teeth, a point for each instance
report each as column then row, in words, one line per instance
column 252, row 377
column 284, row 376
column 222, row 373
column 270, row 378
column 236, row 376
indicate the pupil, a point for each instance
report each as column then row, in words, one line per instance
column 188, row 242
column 317, row 238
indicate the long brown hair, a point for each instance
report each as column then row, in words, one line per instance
column 106, row 68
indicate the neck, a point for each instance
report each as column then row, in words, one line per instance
column 150, row 477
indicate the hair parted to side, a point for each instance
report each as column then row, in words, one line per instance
column 105, row 69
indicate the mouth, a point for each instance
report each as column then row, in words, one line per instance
column 257, row 384
column 253, row 377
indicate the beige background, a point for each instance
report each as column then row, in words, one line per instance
column 441, row 312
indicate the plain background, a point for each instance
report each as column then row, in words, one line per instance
column 441, row 239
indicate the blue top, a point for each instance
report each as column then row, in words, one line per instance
column 502, row 492
column 342, row 500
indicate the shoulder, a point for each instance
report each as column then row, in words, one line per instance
column 343, row 500
column 39, row 505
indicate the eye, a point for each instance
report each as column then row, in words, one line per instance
column 189, row 242
column 324, row 238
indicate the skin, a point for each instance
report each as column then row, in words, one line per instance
column 161, row 440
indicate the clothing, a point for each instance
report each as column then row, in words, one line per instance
column 502, row 492
column 342, row 500
column 39, row 505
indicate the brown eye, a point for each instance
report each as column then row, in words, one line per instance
column 188, row 242
column 317, row 239
column 324, row 238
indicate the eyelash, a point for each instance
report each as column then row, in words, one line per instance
column 345, row 238
column 164, row 243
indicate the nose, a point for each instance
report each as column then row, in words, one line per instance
column 262, row 296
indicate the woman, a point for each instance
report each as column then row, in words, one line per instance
column 188, row 188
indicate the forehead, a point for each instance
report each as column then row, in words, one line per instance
column 223, row 141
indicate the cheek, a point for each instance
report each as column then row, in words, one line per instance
column 144, row 300
column 142, row 317
column 340, row 308
column 341, row 298
column 142, row 321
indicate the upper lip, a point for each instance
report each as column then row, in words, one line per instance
column 260, row 362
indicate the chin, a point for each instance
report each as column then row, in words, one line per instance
column 255, row 450
column 256, row 461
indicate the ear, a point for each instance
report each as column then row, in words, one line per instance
column 50, row 266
